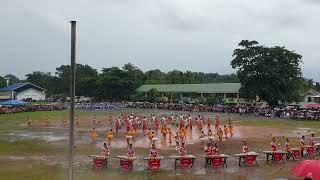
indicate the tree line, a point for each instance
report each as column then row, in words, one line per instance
column 113, row 82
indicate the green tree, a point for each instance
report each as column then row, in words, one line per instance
column 12, row 78
column 119, row 84
column 44, row 80
column 155, row 76
column 86, row 78
column 317, row 86
column 3, row 82
column 272, row 73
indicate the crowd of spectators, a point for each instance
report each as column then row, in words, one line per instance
column 290, row 112
column 31, row 108
column 101, row 105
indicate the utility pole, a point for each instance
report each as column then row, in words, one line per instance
column 7, row 81
column 72, row 96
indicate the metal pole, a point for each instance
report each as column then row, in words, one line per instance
column 72, row 96
column 7, row 80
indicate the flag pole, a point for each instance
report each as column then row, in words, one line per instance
column 72, row 97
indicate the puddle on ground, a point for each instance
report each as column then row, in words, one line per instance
column 46, row 136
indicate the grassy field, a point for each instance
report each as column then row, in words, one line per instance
column 33, row 157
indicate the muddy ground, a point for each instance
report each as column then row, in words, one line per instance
column 40, row 152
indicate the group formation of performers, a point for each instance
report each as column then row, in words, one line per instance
column 287, row 147
column 46, row 121
column 151, row 126
column 174, row 130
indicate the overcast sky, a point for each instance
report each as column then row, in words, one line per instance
column 196, row 35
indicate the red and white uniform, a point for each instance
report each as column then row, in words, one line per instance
column 106, row 152
column 156, row 124
column 181, row 124
column 117, row 125
column 216, row 123
column 163, row 119
column 245, row 149
column 190, row 122
column 182, row 151
column 144, row 124
column 208, row 124
column 302, row 144
column 287, row 146
column 153, row 152
column 311, row 141
column 216, row 150
column 130, row 152
column 274, row 145
column 208, row 150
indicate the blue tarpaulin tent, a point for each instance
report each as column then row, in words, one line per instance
column 14, row 103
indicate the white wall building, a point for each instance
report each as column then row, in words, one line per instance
column 311, row 96
column 23, row 91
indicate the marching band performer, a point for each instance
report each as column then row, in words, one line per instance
column 216, row 122
column 144, row 124
column 208, row 123
column 302, row 145
column 245, row 148
column 177, row 140
column 182, row 150
column 208, row 149
column 153, row 151
column 287, row 145
column 312, row 140
column 29, row 121
column 64, row 122
column 109, row 136
column 230, row 127
column 182, row 134
column 171, row 135
column 190, row 122
column 164, row 131
column 220, row 134
column 110, row 119
column 106, row 150
column 94, row 120
column 118, row 124
column 93, row 135
column 274, row 144
column 215, row 149
column 151, row 135
column 287, row 148
column 208, row 152
column 210, row 133
column 156, row 124
column 226, row 131
column 130, row 152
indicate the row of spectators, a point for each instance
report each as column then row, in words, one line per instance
column 101, row 105
column 31, row 108
column 295, row 113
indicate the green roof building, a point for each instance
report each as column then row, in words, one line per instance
column 228, row 90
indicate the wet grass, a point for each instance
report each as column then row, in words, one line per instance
column 281, row 123
column 40, row 170
column 30, row 170
column 28, row 147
